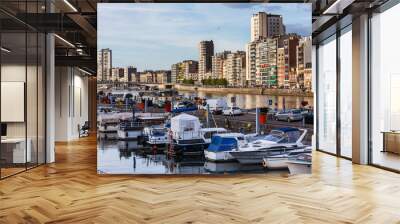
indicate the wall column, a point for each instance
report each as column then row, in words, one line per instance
column 360, row 89
column 50, row 98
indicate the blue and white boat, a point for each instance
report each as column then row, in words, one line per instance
column 279, row 141
column 222, row 144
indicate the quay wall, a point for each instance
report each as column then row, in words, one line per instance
column 253, row 91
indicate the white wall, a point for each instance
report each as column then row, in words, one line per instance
column 71, row 102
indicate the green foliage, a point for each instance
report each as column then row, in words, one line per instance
column 214, row 82
column 188, row 81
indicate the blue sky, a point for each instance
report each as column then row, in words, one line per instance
column 155, row 36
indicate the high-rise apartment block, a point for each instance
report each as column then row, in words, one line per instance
column 265, row 25
column 206, row 51
column 261, row 59
column 281, row 67
column 218, row 64
column 290, row 43
column 104, row 65
column 235, row 68
column 304, row 63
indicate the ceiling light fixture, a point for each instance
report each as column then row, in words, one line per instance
column 70, row 5
column 64, row 40
column 5, row 50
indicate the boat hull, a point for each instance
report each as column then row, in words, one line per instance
column 250, row 157
column 223, row 156
column 190, row 149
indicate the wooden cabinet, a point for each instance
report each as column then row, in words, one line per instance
column 391, row 141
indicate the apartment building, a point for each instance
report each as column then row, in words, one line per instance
column 206, row 51
column 265, row 25
column 289, row 44
column 235, row 68
column 281, row 67
column 104, row 65
column 218, row 64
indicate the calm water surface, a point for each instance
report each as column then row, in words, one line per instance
column 127, row 157
column 250, row 101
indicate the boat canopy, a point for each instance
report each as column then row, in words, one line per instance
column 185, row 124
column 219, row 144
column 286, row 129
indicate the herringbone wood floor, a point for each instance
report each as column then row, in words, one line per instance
column 70, row 191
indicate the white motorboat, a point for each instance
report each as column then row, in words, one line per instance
column 301, row 164
column 222, row 144
column 279, row 141
column 156, row 135
column 186, row 135
column 132, row 130
column 280, row 161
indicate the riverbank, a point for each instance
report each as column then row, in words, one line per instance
column 252, row 91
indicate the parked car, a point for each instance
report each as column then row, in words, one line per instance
column 289, row 116
column 232, row 111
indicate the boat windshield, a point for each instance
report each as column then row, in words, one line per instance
column 279, row 137
column 273, row 137
column 158, row 132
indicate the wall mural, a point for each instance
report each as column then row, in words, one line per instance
column 204, row 88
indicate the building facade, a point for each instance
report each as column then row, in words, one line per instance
column 281, row 67
column 261, row 60
column 290, row 43
column 206, row 51
column 218, row 64
column 130, row 72
column 265, row 25
column 304, row 50
column 235, row 68
column 104, row 65
column 251, row 68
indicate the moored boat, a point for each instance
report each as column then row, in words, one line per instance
column 279, row 141
column 221, row 145
column 280, row 161
column 185, row 135
column 132, row 129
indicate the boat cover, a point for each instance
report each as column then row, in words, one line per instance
column 220, row 144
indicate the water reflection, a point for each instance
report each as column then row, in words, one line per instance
column 128, row 157
column 250, row 101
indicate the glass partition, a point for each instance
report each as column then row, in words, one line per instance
column 22, row 66
column 13, row 86
column 385, row 89
column 327, row 95
column 345, row 43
